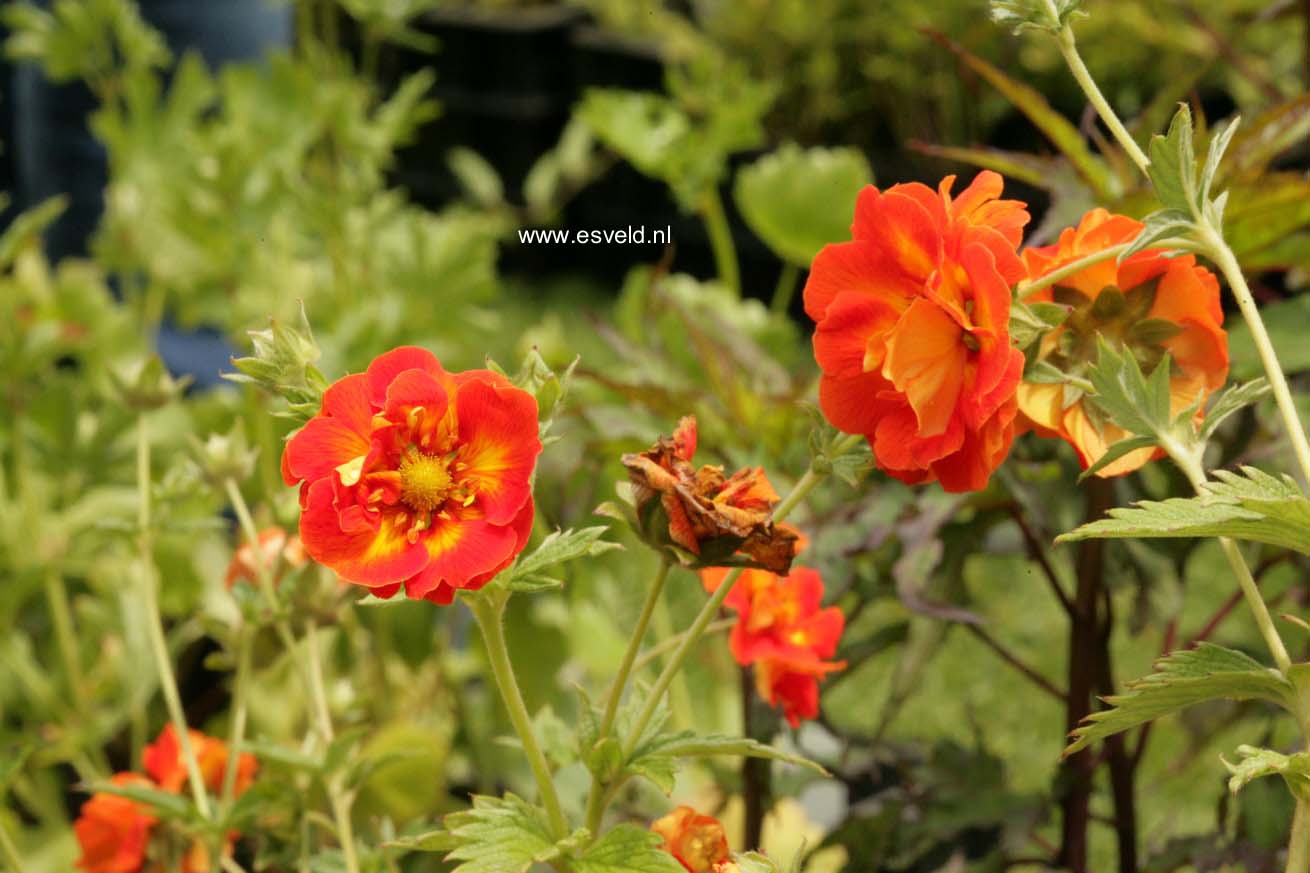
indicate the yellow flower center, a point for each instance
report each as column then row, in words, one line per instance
column 425, row 481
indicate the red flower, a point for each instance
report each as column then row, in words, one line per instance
column 164, row 763
column 913, row 329
column 697, row 841
column 114, row 831
column 785, row 633
column 278, row 550
column 417, row 476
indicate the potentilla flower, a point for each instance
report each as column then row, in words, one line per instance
column 697, row 841
column 412, row 475
column 164, row 763
column 783, row 630
column 912, row 329
column 1148, row 305
column 719, row 519
column 114, row 831
column 277, row 551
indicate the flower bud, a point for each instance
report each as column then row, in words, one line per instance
column 147, row 384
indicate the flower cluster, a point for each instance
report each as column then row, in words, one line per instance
column 783, row 630
column 410, row 475
column 698, row 842
column 1149, row 304
column 717, row 519
column 912, row 329
column 120, row 835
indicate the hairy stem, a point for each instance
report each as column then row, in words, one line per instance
column 489, row 610
column 1069, row 49
column 720, row 234
column 1298, row 848
column 155, row 622
column 595, row 809
column 240, row 689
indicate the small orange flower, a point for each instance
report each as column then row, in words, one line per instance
column 277, row 550
column 912, row 329
column 114, row 831
column 697, row 841
column 719, row 519
column 412, row 475
column 164, row 764
column 1149, row 305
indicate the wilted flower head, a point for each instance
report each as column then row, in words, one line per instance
column 697, row 841
column 1150, row 305
column 714, row 519
column 412, row 475
column 912, row 329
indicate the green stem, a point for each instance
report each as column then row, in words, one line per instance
column 240, row 689
column 1298, row 848
column 1030, row 287
column 61, row 616
column 1190, row 464
column 595, row 809
column 1222, row 255
column 1069, row 48
column 679, row 694
column 9, row 852
column 489, row 610
column 720, row 233
column 711, row 608
column 155, row 623
column 785, row 289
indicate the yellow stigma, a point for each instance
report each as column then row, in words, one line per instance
column 424, row 482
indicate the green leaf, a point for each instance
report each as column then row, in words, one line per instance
column 1185, row 678
column 1173, row 164
column 1252, row 506
column 500, row 835
column 1029, row 322
column 480, row 181
column 1219, row 141
column 657, row 758
column 1116, row 451
column 754, row 862
column 167, row 803
column 1135, row 403
column 626, row 848
column 799, row 200
column 1232, row 400
column 1062, row 133
column 1159, row 225
column 1255, row 763
column 529, row 572
column 432, row 841
column 278, row 754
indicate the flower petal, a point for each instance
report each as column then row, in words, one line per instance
column 386, row 367
column 460, row 552
column 857, row 267
column 925, row 361
column 851, row 339
column 318, row 448
column 498, row 433
column 373, row 552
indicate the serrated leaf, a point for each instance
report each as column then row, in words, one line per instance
column 499, row 835
column 1160, row 225
column 1183, row 679
column 1234, row 399
column 1173, row 164
column 1255, row 763
column 1253, row 506
column 1116, row 451
column 1219, row 141
column 432, row 841
column 627, row 849
column 1135, row 403
column 528, row 573
column 799, row 200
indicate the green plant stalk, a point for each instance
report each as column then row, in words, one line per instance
column 240, row 695
column 711, row 608
column 679, row 693
column 489, row 610
column 1069, row 49
column 9, row 852
column 1218, row 251
column 595, row 809
column 311, row 671
column 61, row 616
column 720, row 234
column 785, row 289
column 155, row 622
column 1298, row 848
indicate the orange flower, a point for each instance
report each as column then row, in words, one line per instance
column 912, row 329
column 411, row 475
column 114, row 831
column 1149, row 305
column 697, row 841
column 719, row 519
column 163, row 762
column 278, row 551
column 784, row 632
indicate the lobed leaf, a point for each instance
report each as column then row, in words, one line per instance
column 1255, row 763
column 529, row 572
column 626, row 848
